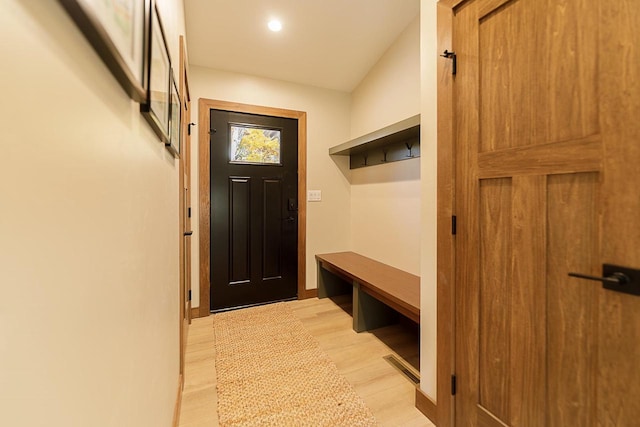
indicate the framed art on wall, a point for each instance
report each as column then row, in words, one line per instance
column 117, row 31
column 156, row 107
column 175, row 124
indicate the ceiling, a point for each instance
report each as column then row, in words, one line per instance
column 325, row 43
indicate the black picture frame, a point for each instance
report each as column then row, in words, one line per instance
column 156, row 106
column 121, row 45
column 175, row 121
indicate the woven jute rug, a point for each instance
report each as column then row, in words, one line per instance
column 271, row 371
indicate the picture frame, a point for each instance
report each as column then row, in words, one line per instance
column 117, row 31
column 175, row 121
column 156, row 106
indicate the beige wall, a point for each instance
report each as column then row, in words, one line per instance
column 88, row 234
column 327, row 125
column 385, row 213
column 385, row 199
column 393, row 206
column 428, row 166
column 390, row 91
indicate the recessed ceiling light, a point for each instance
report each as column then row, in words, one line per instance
column 275, row 25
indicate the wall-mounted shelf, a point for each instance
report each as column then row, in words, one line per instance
column 399, row 141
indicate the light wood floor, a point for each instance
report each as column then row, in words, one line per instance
column 359, row 358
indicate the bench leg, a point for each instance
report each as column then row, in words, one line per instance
column 329, row 284
column 369, row 313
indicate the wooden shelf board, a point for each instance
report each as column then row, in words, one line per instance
column 397, row 132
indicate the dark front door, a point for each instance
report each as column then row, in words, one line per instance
column 254, row 209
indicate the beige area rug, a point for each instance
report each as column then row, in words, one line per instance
column 271, row 371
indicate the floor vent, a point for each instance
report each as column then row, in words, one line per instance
column 403, row 368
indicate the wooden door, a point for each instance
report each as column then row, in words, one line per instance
column 188, row 230
column 184, row 170
column 547, row 139
column 254, row 209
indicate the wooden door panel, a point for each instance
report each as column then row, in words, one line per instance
column 532, row 231
column 528, row 301
column 571, row 49
column 532, row 317
column 572, row 304
column 619, row 327
column 495, row 295
column 504, row 101
column 528, row 298
column 520, row 105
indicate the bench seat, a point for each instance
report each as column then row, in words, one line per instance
column 377, row 287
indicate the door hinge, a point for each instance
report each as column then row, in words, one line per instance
column 189, row 212
column 454, row 224
column 453, row 385
column 454, row 59
column 189, row 294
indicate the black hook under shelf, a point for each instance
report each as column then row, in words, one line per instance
column 409, row 147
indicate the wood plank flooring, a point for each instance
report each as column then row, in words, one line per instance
column 359, row 358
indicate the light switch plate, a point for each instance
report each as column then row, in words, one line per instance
column 314, row 195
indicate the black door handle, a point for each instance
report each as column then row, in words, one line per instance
column 616, row 278
column 188, row 233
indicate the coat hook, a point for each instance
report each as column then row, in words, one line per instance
column 409, row 147
column 452, row 56
column 189, row 127
column 365, row 159
column 384, row 156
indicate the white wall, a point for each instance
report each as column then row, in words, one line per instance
column 327, row 125
column 428, row 166
column 89, row 277
column 385, row 199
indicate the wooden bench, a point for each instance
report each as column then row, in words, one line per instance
column 379, row 290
